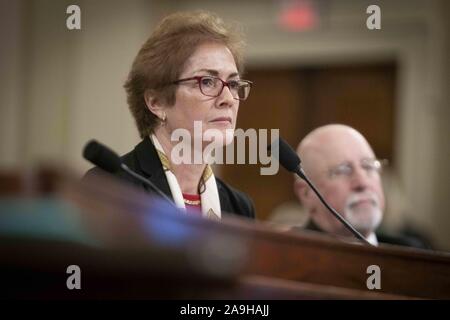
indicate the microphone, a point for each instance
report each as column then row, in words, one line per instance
column 289, row 159
column 106, row 159
column 102, row 156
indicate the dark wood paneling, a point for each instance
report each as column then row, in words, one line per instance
column 299, row 100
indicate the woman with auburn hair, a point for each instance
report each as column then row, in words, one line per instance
column 187, row 73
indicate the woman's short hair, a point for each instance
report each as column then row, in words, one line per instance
column 162, row 58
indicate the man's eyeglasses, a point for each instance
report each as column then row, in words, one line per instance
column 347, row 169
column 212, row 86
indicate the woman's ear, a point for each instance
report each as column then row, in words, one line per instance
column 153, row 104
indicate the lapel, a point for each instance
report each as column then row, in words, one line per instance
column 225, row 203
column 310, row 225
column 150, row 165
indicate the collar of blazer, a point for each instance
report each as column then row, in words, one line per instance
column 149, row 164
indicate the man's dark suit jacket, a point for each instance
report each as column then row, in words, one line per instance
column 381, row 237
column 144, row 160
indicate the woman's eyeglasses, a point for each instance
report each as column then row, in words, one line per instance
column 213, row 86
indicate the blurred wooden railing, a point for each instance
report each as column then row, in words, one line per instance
column 131, row 245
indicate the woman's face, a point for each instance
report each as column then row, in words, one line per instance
column 220, row 113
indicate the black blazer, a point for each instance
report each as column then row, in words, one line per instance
column 144, row 160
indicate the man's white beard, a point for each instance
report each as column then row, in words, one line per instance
column 367, row 218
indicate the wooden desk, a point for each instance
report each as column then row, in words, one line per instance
column 130, row 245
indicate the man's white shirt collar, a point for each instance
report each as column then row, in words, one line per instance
column 372, row 239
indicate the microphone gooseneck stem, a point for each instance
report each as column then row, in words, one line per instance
column 146, row 182
column 299, row 171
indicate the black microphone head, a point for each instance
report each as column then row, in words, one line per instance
column 102, row 156
column 287, row 157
